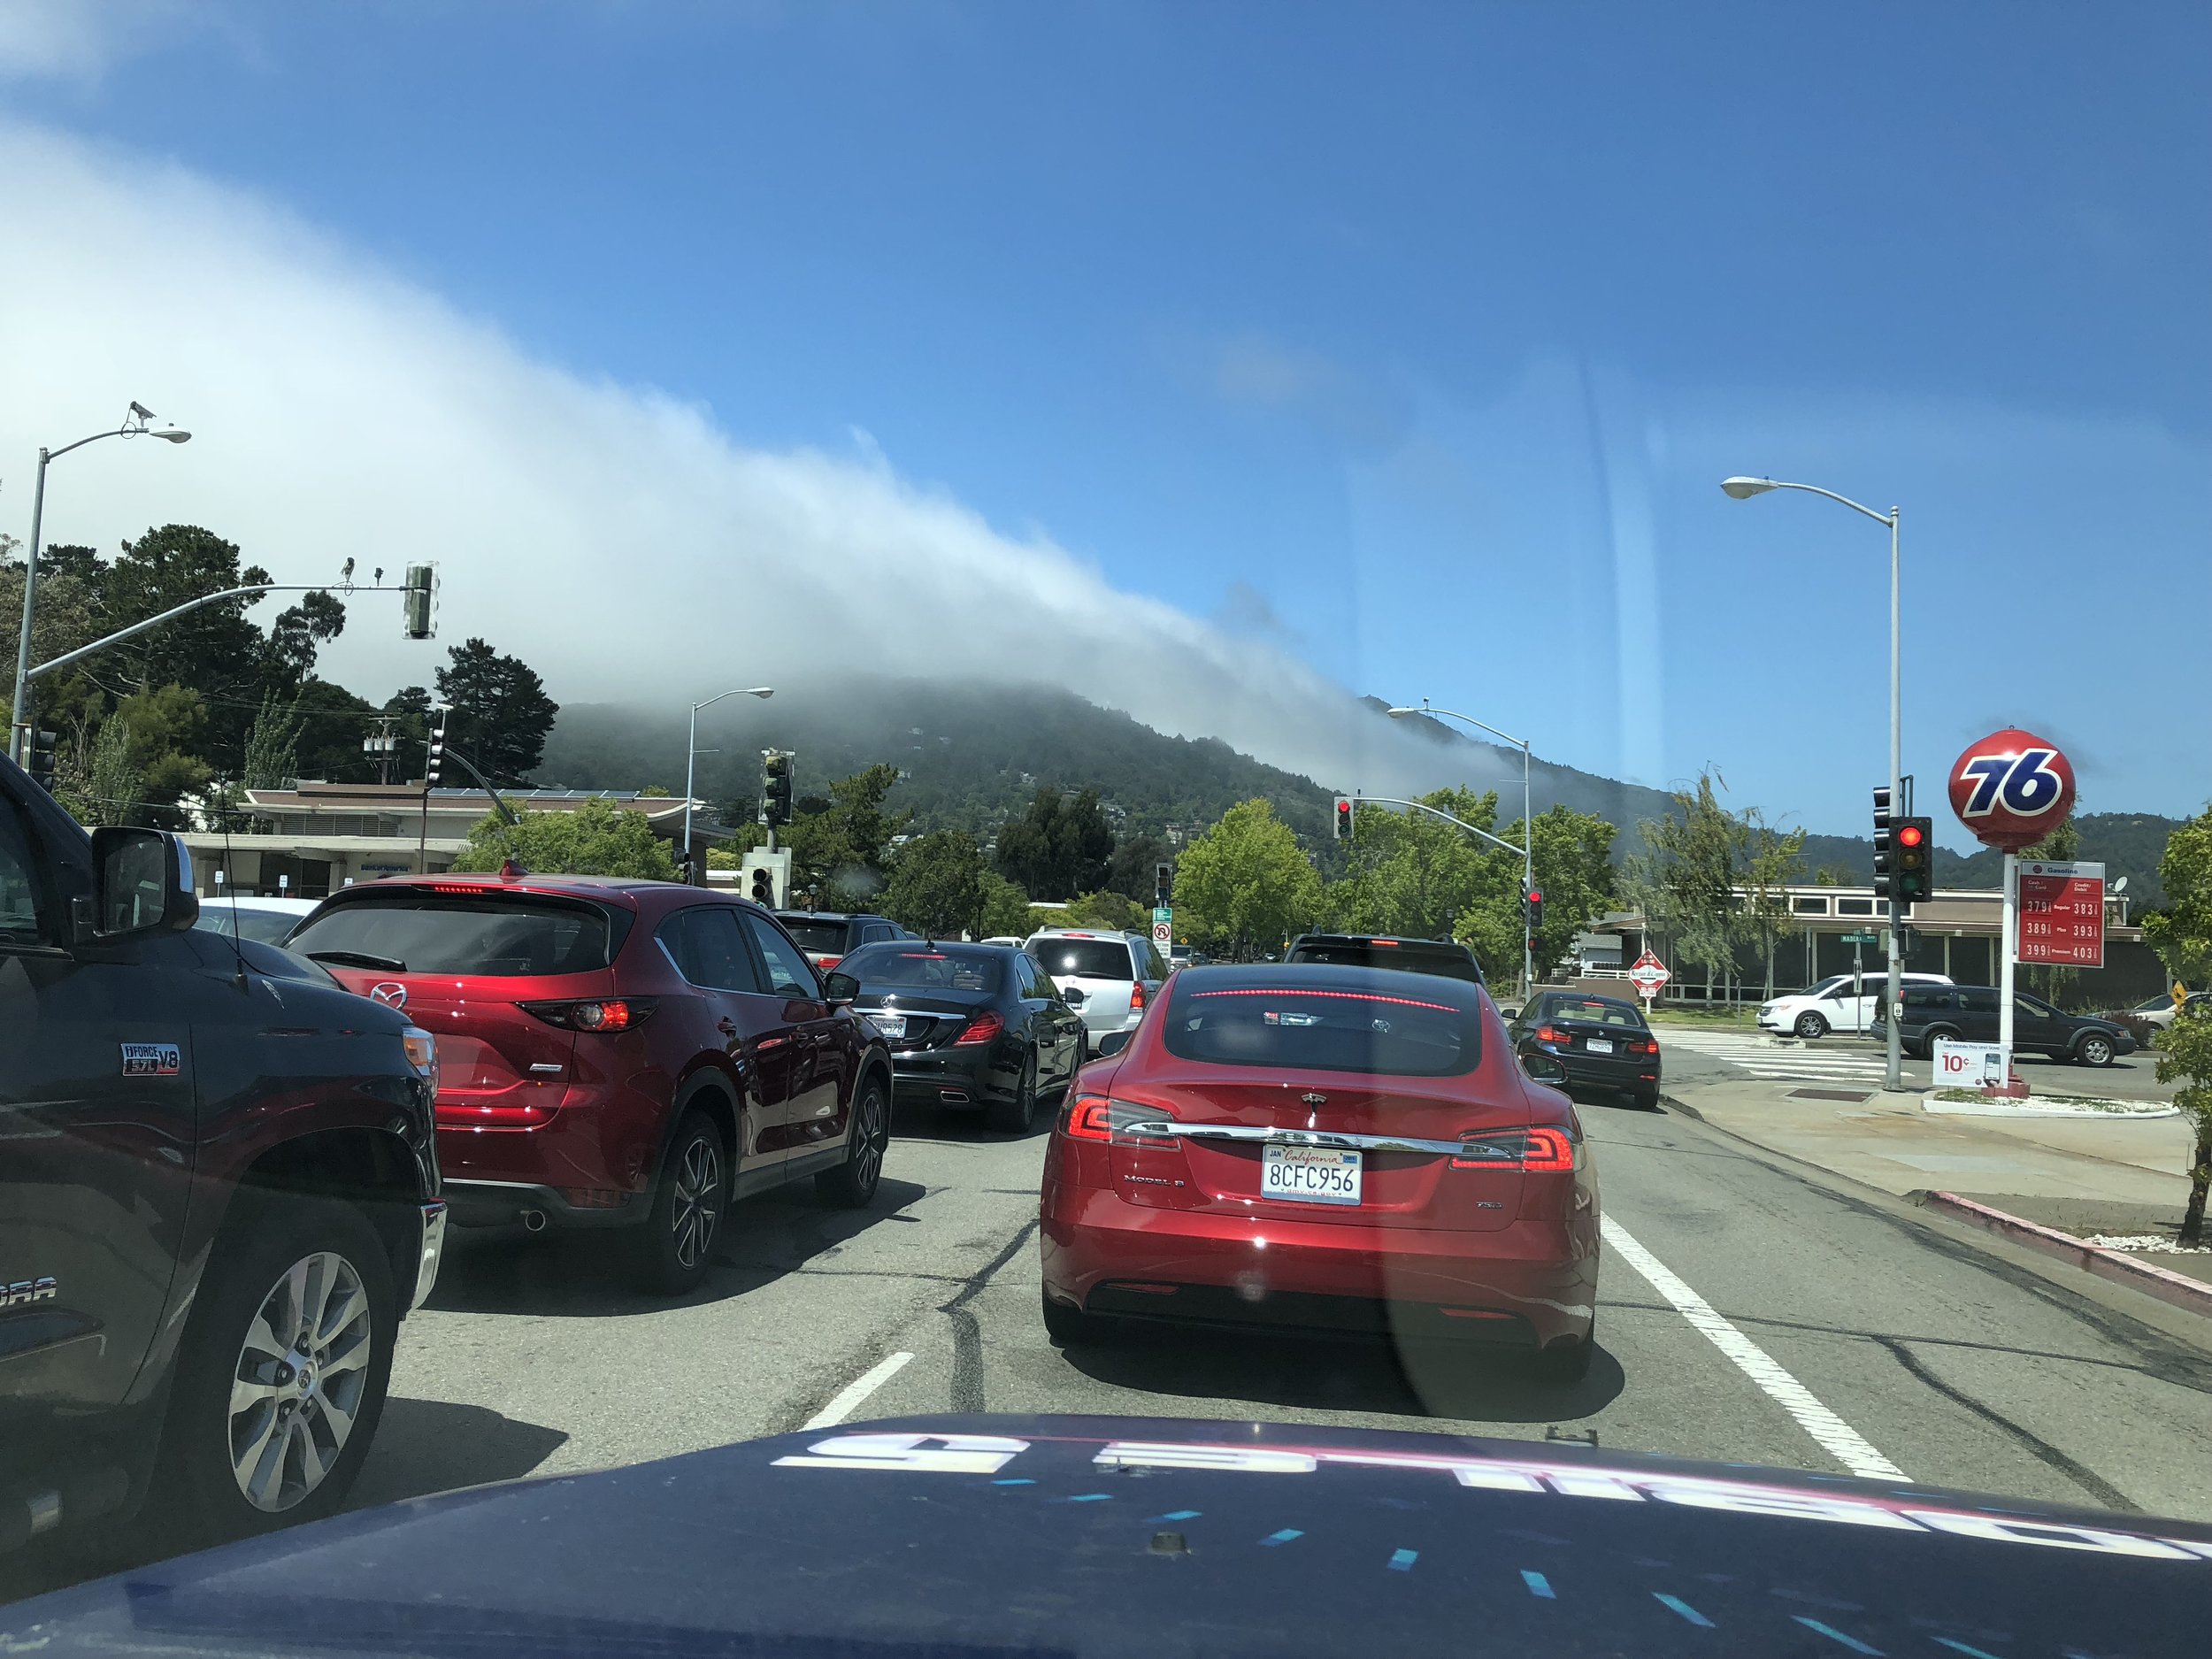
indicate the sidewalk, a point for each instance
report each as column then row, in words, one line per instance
column 2083, row 1176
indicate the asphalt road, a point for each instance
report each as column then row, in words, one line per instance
column 1835, row 1329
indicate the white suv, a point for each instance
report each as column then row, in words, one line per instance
column 1108, row 978
column 1829, row 1006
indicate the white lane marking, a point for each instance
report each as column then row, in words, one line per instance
column 853, row 1392
column 1848, row 1446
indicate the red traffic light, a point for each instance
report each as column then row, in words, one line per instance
column 1535, row 896
column 1910, row 835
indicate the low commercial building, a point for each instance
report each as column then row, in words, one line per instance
column 314, row 837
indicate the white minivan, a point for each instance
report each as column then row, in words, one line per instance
column 1108, row 978
column 1829, row 1006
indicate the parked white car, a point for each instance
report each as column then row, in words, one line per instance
column 266, row 919
column 2160, row 1011
column 1829, row 1005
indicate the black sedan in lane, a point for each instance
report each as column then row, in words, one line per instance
column 1602, row 1041
column 970, row 1026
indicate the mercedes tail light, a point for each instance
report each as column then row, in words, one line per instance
column 985, row 1027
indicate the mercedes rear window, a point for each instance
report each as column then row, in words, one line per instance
column 496, row 936
column 1084, row 958
column 876, row 965
column 1455, row 965
column 1301, row 1028
column 813, row 933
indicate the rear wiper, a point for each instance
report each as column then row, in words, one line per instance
column 358, row 959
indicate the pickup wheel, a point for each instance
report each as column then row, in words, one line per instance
column 281, row 1376
column 675, row 1249
column 853, row 1183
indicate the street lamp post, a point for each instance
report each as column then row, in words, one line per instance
column 1744, row 489
column 134, row 425
column 691, row 753
column 1528, row 829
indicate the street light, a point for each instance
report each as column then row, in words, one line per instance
column 135, row 425
column 1743, row 489
column 691, row 753
column 1528, row 826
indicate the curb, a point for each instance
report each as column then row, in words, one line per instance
column 2116, row 1265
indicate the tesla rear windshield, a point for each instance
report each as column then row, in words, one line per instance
column 1322, row 1028
column 815, row 932
column 875, row 965
column 1083, row 958
column 498, row 936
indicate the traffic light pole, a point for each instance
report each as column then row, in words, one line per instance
column 1893, row 1077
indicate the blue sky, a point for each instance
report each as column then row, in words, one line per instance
column 1409, row 339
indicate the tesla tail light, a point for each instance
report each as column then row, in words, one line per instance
column 600, row 1014
column 1095, row 1117
column 1541, row 1148
column 985, row 1027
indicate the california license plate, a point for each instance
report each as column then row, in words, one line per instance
column 1309, row 1175
column 1600, row 1045
column 890, row 1025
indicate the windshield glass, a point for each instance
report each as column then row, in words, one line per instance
column 1083, row 958
column 884, row 966
column 816, row 934
column 498, row 937
column 1283, row 1026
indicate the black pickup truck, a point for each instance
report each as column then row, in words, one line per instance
column 219, row 1196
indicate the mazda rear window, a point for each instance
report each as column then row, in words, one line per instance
column 1084, row 958
column 813, row 934
column 1302, row 1029
column 499, row 936
column 876, row 965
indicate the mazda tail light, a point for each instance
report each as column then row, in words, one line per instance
column 603, row 1014
column 826, row 963
column 985, row 1027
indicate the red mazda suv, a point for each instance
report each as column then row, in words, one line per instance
column 1336, row 1147
column 625, row 1055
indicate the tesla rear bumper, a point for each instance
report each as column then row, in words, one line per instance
column 1531, row 1282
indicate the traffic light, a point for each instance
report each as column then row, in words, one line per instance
column 1163, row 884
column 764, row 886
column 1914, row 850
column 435, row 763
column 1344, row 818
column 419, row 601
column 41, row 759
column 1885, row 847
column 775, row 787
column 1532, row 908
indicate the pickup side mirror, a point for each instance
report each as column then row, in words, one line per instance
column 1543, row 1068
column 141, row 882
column 1112, row 1042
column 840, row 987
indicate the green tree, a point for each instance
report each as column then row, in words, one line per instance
column 2181, row 935
column 936, row 884
column 501, row 713
column 1060, row 847
column 1573, row 855
column 1133, row 870
column 1417, row 875
column 1117, row 912
column 837, row 847
column 1684, row 880
column 598, row 839
column 297, row 632
column 215, row 651
column 272, row 746
column 1770, row 858
column 1244, row 884
column 1005, row 909
column 168, row 727
column 115, row 784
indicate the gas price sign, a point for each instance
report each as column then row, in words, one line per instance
column 2061, row 913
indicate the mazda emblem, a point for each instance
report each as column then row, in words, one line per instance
column 391, row 993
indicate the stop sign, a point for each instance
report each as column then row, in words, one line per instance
column 2012, row 789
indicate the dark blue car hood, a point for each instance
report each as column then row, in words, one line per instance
column 981, row 1536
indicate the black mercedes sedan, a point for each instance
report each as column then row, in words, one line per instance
column 1602, row 1041
column 970, row 1026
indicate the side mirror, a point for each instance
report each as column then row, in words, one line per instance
column 1072, row 996
column 840, row 987
column 1543, row 1068
column 1508, row 1013
column 1112, row 1042
column 142, row 881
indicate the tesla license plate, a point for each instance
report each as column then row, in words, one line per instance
column 1309, row 1175
column 890, row 1025
column 1600, row 1045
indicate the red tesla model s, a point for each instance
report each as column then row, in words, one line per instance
column 1337, row 1148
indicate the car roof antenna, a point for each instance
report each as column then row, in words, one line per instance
column 228, row 872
